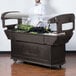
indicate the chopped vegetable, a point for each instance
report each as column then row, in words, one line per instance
column 31, row 29
column 24, row 27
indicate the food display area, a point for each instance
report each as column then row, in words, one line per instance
column 42, row 47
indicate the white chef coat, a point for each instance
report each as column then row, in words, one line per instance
column 36, row 16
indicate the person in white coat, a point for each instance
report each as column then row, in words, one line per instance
column 37, row 14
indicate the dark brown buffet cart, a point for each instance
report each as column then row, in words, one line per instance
column 45, row 49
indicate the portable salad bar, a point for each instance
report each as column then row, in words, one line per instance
column 45, row 49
